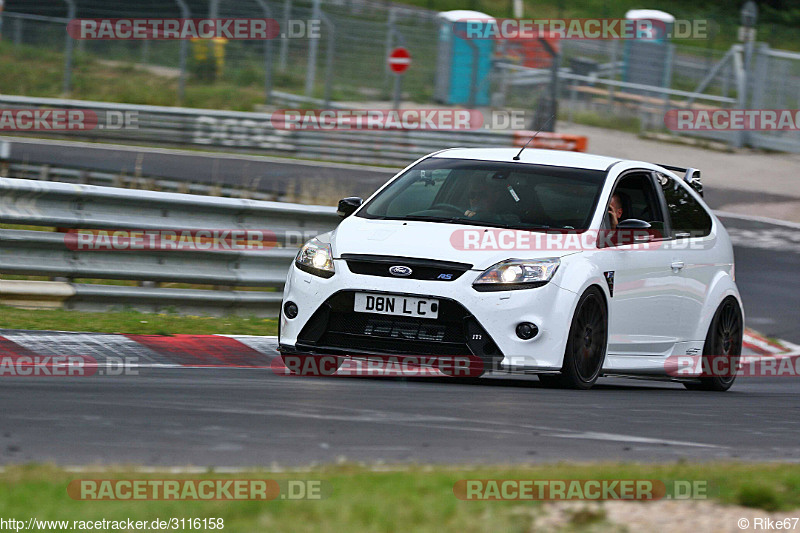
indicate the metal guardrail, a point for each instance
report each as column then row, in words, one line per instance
column 39, row 253
column 255, row 132
column 83, row 176
column 66, row 206
column 89, row 206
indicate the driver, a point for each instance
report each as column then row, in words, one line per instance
column 482, row 201
column 615, row 210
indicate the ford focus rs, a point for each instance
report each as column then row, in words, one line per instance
column 570, row 266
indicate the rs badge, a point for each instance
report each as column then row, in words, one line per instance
column 610, row 281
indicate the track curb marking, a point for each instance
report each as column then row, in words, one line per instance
column 213, row 351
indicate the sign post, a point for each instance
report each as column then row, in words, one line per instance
column 399, row 61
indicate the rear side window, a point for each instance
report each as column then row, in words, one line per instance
column 689, row 218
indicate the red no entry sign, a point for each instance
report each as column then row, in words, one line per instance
column 399, row 60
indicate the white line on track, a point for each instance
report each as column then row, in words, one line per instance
column 593, row 435
column 754, row 218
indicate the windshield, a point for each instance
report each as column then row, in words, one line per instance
column 486, row 193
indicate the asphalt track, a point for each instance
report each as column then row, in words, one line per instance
column 242, row 417
column 267, row 174
column 252, row 417
column 272, row 175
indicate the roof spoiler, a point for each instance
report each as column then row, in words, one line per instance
column 690, row 175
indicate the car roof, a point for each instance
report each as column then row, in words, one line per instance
column 557, row 158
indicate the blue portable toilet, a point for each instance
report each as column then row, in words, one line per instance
column 646, row 60
column 461, row 60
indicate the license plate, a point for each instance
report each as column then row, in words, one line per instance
column 386, row 304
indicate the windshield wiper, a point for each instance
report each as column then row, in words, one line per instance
column 511, row 225
column 426, row 218
column 470, row 222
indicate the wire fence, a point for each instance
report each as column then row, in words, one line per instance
column 346, row 62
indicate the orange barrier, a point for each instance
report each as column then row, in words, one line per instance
column 528, row 52
column 552, row 141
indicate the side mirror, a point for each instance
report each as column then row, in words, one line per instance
column 633, row 223
column 633, row 230
column 348, row 206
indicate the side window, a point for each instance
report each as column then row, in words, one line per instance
column 689, row 218
column 637, row 199
column 634, row 198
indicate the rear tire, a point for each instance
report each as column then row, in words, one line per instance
column 586, row 344
column 724, row 338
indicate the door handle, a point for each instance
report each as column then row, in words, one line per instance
column 677, row 265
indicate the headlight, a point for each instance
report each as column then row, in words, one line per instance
column 315, row 257
column 516, row 274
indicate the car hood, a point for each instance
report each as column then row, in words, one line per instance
column 427, row 240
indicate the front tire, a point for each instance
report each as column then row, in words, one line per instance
column 724, row 339
column 586, row 344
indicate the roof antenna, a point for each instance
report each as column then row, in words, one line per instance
column 516, row 157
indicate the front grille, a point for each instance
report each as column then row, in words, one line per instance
column 336, row 327
column 393, row 327
column 394, row 334
column 424, row 269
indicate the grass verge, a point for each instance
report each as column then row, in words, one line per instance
column 34, row 71
column 133, row 322
column 418, row 498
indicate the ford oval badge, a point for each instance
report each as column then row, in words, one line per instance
column 399, row 270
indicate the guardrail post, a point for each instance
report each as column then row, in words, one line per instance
column 667, row 80
column 329, row 58
column 185, row 13
column 741, row 92
column 68, row 50
column 17, row 31
column 313, row 45
column 555, row 57
column 760, row 75
column 390, row 30
column 284, row 52
column 5, row 155
column 267, row 53
column 614, row 53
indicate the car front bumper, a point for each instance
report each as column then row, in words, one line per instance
column 470, row 323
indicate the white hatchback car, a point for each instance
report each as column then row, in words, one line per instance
column 567, row 265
